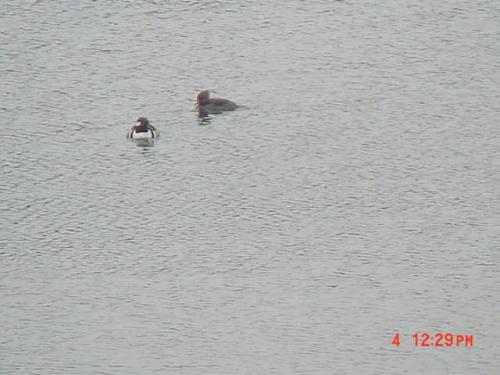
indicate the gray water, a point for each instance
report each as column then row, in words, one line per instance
column 355, row 195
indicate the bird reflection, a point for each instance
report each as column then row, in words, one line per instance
column 144, row 143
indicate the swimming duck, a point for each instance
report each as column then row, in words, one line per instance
column 143, row 130
column 207, row 105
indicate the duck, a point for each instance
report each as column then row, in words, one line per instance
column 206, row 105
column 143, row 130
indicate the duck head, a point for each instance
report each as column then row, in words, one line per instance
column 142, row 121
column 203, row 97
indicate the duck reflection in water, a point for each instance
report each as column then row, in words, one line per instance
column 144, row 143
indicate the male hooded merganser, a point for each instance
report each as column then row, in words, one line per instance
column 143, row 130
column 207, row 105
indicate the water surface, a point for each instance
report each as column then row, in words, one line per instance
column 354, row 196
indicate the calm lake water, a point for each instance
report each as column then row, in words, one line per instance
column 355, row 195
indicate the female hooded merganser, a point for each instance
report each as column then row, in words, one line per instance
column 207, row 105
column 143, row 130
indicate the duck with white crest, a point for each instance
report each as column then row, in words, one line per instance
column 143, row 130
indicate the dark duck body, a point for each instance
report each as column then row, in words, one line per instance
column 207, row 105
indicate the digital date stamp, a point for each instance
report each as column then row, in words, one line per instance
column 436, row 340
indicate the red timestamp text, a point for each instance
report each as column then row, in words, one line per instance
column 436, row 340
